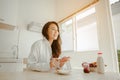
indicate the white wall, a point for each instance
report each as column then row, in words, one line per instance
column 116, row 23
column 35, row 10
column 9, row 11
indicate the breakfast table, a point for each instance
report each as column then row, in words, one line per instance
column 75, row 74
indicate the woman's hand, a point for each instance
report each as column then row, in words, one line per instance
column 53, row 62
column 64, row 60
column 57, row 63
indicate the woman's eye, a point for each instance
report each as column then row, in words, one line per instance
column 54, row 29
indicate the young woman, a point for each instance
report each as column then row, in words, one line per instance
column 45, row 53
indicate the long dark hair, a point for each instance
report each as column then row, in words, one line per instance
column 56, row 45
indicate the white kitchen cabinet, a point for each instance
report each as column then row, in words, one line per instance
column 8, row 11
column 11, row 67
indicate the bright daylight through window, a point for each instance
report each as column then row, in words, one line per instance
column 86, row 28
column 79, row 33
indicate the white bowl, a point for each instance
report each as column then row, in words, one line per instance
column 63, row 72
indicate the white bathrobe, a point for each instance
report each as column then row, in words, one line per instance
column 40, row 55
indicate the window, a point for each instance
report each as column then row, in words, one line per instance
column 67, row 35
column 84, row 26
column 113, row 1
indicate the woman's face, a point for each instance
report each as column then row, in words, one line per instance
column 53, row 32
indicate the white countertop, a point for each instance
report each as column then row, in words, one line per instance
column 75, row 75
column 10, row 60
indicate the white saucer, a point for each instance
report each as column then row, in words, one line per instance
column 63, row 72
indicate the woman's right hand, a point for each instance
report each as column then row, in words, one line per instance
column 53, row 62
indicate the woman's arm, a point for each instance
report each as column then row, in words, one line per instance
column 39, row 59
column 33, row 64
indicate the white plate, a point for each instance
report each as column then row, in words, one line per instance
column 63, row 72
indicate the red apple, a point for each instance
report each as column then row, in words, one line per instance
column 86, row 70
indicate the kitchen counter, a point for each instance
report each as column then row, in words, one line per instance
column 10, row 60
column 11, row 65
column 74, row 75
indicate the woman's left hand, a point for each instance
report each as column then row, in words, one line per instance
column 64, row 60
